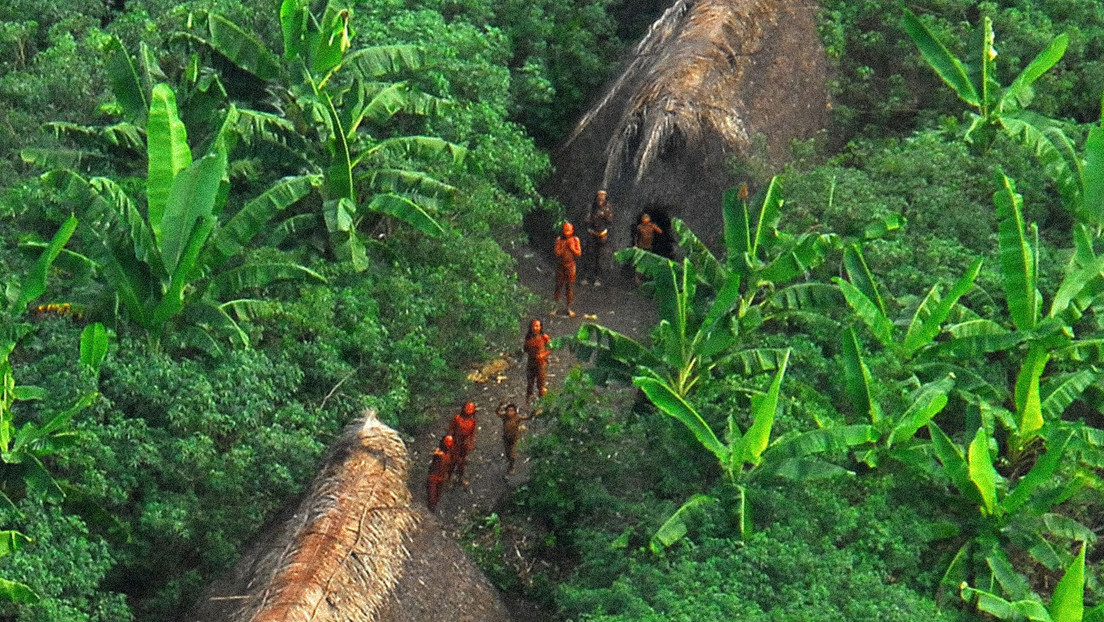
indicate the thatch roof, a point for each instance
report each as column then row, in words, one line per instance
column 342, row 554
column 711, row 79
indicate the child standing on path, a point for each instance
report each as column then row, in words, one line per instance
column 536, row 369
column 511, row 430
column 439, row 472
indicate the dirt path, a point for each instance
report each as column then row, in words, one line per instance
column 615, row 303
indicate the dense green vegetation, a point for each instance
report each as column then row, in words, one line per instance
column 276, row 236
column 880, row 399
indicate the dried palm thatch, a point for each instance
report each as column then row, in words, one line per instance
column 340, row 555
column 709, row 80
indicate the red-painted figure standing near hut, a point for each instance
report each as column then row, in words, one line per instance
column 568, row 249
column 439, row 472
column 536, row 348
column 462, row 429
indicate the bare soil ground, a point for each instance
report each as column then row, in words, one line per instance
column 615, row 304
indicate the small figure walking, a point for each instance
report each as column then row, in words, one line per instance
column 462, row 430
column 568, row 249
column 511, row 429
column 644, row 236
column 598, row 222
column 439, row 472
column 536, row 347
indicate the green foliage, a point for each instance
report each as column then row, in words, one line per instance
column 885, row 88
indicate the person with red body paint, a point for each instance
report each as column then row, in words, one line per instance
column 568, row 249
column 536, row 347
column 439, row 471
column 462, row 430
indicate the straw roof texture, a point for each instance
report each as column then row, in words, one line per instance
column 341, row 553
column 711, row 79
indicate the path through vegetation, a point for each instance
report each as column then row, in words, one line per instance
column 616, row 304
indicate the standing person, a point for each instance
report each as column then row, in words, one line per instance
column 644, row 236
column 511, row 429
column 462, row 430
column 598, row 222
column 439, row 471
column 567, row 250
column 536, row 347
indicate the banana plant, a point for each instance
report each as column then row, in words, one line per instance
column 1078, row 177
column 173, row 258
column 749, row 455
column 998, row 514
column 761, row 261
column 336, row 96
column 14, row 591
column 700, row 330
column 22, row 447
column 1067, row 601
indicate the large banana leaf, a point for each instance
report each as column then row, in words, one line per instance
column 339, row 174
column 1020, row 89
column 93, row 346
column 241, row 48
column 710, row 270
column 674, row 528
column 124, row 82
column 763, row 410
column 982, row 473
column 1040, row 473
column 1092, row 207
column 927, row 402
column 860, row 276
column 757, row 360
column 1065, row 392
column 34, row 283
column 1078, row 289
column 1017, row 260
column 167, row 146
column 950, row 69
column 954, row 463
column 415, row 147
column 293, row 24
column 880, row 326
column 806, row 253
column 330, row 42
column 382, row 60
column 403, row 209
column 1027, row 130
column 232, row 238
column 737, row 229
column 1028, row 401
column 625, row 350
column 932, row 312
column 819, row 297
column 192, row 199
column 16, row 592
column 670, row 403
column 385, row 104
column 402, row 181
column 256, row 276
column 173, row 300
column 766, row 223
column 857, row 379
column 1068, row 602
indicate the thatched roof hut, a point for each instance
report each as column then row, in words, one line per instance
column 712, row 79
column 353, row 549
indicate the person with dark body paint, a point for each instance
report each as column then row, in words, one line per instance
column 462, row 430
column 567, row 250
column 644, row 235
column 598, row 221
column 439, row 470
column 536, row 348
column 511, row 430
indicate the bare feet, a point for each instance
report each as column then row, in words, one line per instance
column 570, row 313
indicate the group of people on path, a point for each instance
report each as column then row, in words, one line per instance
column 450, row 458
column 568, row 249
